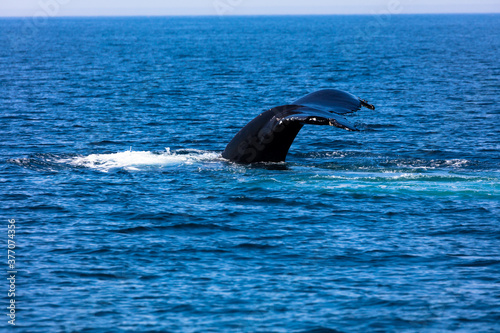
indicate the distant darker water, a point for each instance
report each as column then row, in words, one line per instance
column 128, row 220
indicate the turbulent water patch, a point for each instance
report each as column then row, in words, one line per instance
column 137, row 160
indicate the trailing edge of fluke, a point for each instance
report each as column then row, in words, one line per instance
column 268, row 137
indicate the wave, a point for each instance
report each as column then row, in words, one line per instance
column 380, row 161
column 352, row 166
column 136, row 160
column 398, row 176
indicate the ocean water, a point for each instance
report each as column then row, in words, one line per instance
column 128, row 219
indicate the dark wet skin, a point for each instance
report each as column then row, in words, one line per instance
column 268, row 137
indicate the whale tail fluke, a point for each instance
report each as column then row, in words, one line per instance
column 268, row 137
column 333, row 100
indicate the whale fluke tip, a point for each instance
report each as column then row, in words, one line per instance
column 367, row 105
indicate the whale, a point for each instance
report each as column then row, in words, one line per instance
column 268, row 137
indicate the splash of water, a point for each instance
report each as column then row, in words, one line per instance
column 135, row 160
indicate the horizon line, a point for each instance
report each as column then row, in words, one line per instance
column 248, row 15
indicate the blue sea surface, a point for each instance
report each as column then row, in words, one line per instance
column 129, row 220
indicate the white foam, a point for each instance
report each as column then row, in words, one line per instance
column 135, row 160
